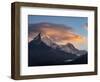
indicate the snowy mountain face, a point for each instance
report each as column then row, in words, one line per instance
column 69, row 48
column 46, row 39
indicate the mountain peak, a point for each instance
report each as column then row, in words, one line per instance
column 38, row 37
column 41, row 37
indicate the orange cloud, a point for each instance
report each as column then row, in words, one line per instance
column 62, row 36
column 59, row 34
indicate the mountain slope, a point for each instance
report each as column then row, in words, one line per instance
column 71, row 49
column 42, row 51
column 46, row 39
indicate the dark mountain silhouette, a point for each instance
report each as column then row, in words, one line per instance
column 42, row 52
column 83, row 59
